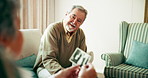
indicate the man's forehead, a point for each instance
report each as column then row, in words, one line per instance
column 78, row 13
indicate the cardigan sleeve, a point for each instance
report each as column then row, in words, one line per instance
column 50, row 53
column 83, row 41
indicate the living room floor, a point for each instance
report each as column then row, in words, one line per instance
column 100, row 75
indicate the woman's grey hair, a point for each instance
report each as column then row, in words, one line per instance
column 8, row 9
column 79, row 7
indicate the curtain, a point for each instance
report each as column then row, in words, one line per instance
column 146, row 12
column 36, row 14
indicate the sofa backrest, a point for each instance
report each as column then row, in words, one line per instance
column 130, row 32
column 31, row 42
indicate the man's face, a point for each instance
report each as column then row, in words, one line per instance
column 73, row 20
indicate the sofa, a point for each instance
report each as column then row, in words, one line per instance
column 30, row 49
column 131, row 61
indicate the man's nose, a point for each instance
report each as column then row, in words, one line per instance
column 75, row 21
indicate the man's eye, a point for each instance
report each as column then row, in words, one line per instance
column 73, row 16
column 79, row 21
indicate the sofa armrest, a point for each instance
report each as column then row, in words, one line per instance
column 112, row 59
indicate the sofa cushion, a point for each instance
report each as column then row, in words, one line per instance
column 138, row 55
column 27, row 61
column 31, row 42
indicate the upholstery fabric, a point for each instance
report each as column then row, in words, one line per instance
column 115, row 67
column 125, row 71
column 112, row 59
column 138, row 32
column 123, row 28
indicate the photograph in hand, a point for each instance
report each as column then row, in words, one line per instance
column 79, row 57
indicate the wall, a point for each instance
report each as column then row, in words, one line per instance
column 102, row 24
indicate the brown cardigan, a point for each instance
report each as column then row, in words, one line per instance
column 55, row 51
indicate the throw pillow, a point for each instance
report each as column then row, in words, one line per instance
column 27, row 61
column 138, row 55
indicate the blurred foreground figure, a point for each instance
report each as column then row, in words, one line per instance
column 11, row 41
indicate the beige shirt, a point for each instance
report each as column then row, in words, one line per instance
column 55, row 50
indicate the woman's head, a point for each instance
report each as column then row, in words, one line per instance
column 9, row 21
column 8, row 10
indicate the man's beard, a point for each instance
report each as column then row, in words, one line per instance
column 69, row 28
